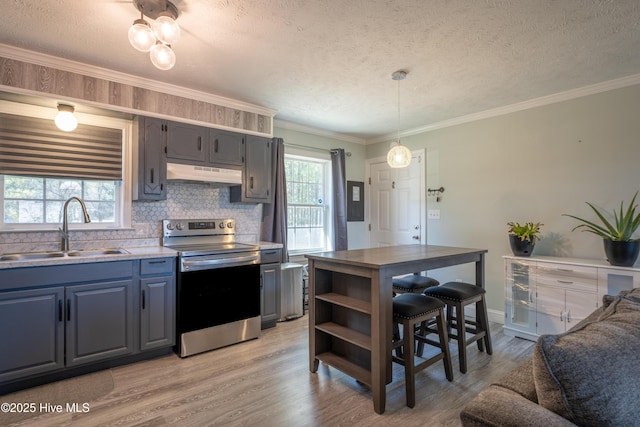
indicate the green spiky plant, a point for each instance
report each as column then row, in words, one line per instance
column 529, row 231
column 626, row 222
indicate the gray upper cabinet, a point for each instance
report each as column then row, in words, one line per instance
column 227, row 148
column 152, row 168
column 99, row 321
column 187, row 142
column 257, row 177
column 32, row 332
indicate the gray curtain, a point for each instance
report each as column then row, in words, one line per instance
column 274, row 215
column 339, row 199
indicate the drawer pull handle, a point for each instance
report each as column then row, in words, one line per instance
column 158, row 262
column 565, row 281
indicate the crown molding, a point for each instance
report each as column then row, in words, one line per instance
column 127, row 79
column 520, row 106
column 282, row 124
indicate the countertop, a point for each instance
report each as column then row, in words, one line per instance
column 141, row 252
column 138, row 252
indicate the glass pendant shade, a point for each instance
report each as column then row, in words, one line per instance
column 399, row 156
column 162, row 56
column 65, row 120
column 166, row 28
column 141, row 36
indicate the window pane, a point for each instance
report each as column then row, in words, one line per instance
column 54, row 211
column 23, row 187
column 99, row 190
column 23, row 211
column 62, row 189
column 101, row 211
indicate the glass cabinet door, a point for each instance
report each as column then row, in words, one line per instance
column 520, row 310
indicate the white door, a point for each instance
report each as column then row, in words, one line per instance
column 396, row 203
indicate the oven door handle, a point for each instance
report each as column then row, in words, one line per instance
column 224, row 262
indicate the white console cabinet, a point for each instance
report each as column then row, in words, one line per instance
column 548, row 295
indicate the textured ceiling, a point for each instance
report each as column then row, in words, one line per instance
column 327, row 63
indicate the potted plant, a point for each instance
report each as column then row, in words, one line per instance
column 522, row 238
column 619, row 245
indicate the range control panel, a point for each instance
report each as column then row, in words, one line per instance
column 198, row 227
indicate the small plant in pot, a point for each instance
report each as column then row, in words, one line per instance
column 620, row 246
column 522, row 238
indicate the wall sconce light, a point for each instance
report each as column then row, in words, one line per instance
column 156, row 38
column 65, row 120
column 399, row 156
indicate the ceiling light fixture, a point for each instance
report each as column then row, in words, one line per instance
column 158, row 37
column 65, row 120
column 398, row 156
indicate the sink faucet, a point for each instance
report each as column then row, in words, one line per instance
column 64, row 231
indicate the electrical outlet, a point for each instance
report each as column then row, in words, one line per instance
column 433, row 214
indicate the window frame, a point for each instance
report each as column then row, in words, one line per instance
column 122, row 191
column 325, row 159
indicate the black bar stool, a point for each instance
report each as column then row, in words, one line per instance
column 415, row 309
column 458, row 295
column 415, row 284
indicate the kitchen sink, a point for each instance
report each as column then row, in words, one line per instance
column 33, row 256
column 94, row 252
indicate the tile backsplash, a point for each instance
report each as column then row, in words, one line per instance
column 184, row 200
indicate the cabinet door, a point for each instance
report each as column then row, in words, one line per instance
column 157, row 302
column 612, row 281
column 227, row 148
column 152, row 174
column 578, row 306
column 256, row 181
column 270, row 294
column 550, row 308
column 520, row 312
column 187, row 142
column 99, row 321
column 31, row 332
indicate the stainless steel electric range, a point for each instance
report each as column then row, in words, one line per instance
column 218, row 284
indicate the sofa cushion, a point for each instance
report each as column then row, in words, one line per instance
column 589, row 375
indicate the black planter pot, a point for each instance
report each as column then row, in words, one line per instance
column 520, row 247
column 620, row 253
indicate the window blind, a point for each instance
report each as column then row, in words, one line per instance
column 33, row 146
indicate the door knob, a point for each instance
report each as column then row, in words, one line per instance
column 416, row 237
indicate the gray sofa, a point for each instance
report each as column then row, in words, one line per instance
column 588, row 376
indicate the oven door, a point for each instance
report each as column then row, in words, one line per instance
column 217, row 296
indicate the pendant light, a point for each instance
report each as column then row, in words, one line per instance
column 65, row 120
column 399, row 156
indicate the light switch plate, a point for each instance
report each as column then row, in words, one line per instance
column 433, row 214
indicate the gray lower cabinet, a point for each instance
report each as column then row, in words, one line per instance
column 157, row 303
column 270, row 278
column 31, row 332
column 59, row 317
column 99, row 321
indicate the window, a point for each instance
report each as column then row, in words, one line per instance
column 32, row 202
column 309, row 223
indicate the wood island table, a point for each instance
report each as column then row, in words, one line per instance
column 350, row 308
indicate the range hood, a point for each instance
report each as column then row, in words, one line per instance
column 177, row 171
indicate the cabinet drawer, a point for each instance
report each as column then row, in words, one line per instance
column 270, row 255
column 573, row 271
column 156, row 266
column 570, row 276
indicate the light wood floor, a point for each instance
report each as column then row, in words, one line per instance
column 267, row 382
